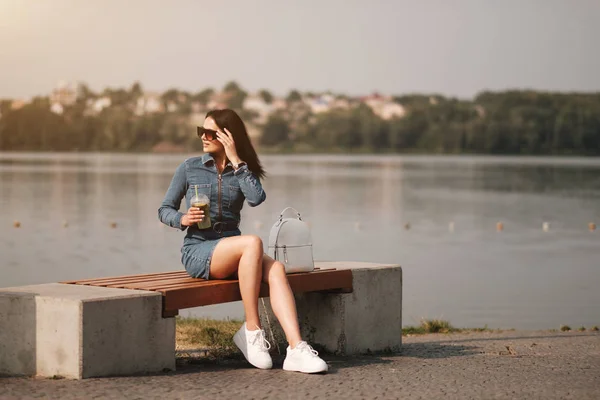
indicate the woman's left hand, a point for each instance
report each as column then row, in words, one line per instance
column 226, row 138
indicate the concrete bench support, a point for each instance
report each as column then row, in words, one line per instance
column 81, row 331
column 367, row 320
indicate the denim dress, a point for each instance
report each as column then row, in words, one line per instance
column 226, row 191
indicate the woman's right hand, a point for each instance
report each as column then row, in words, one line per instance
column 193, row 216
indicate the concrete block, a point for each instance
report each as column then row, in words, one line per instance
column 58, row 344
column 82, row 331
column 17, row 334
column 367, row 320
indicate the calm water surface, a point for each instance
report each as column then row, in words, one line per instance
column 358, row 206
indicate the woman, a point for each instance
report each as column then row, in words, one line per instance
column 228, row 173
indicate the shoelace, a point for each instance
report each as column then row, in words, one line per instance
column 260, row 339
column 303, row 346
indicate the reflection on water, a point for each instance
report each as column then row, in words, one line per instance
column 357, row 206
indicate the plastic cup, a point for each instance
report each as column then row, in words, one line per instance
column 202, row 202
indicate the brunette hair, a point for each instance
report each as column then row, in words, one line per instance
column 227, row 118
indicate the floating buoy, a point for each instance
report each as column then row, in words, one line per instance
column 407, row 226
column 113, row 225
column 499, row 226
column 546, row 226
column 451, row 227
column 592, row 226
column 17, row 224
column 65, row 224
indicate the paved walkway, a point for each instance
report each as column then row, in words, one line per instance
column 509, row 365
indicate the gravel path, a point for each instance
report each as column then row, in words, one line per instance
column 508, row 365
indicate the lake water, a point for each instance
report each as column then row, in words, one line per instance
column 524, row 277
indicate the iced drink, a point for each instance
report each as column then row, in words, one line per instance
column 201, row 201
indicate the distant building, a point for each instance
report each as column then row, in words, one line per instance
column 149, row 103
column 57, row 108
column 64, row 94
column 320, row 103
column 95, row 106
column 341, row 103
column 391, row 110
column 279, row 104
column 384, row 106
column 256, row 103
column 16, row 104
column 172, row 106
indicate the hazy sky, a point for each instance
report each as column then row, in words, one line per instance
column 453, row 47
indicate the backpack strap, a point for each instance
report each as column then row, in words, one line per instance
column 289, row 208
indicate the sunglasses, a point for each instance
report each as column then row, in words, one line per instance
column 209, row 133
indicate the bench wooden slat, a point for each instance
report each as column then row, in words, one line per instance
column 154, row 285
column 199, row 283
column 94, row 281
column 128, row 279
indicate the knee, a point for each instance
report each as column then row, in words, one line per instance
column 254, row 242
column 277, row 273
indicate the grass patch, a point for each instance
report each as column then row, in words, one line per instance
column 438, row 326
column 594, row 328
column 213, row 336
column 484, row 329
column 581, row 329
column 565, row 328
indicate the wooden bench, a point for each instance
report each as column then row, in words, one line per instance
column 115, row 326
column 180, row 291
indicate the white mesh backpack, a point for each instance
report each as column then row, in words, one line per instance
column 290, row 243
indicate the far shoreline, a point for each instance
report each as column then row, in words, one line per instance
column 292, row 153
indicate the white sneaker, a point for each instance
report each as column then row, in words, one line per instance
column 254, row 346
column 303, row 358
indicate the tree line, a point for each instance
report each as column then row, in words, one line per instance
column 513, row 122
column 509, row 122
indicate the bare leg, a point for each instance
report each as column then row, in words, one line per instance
column 282, row 299
column 244, row 255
